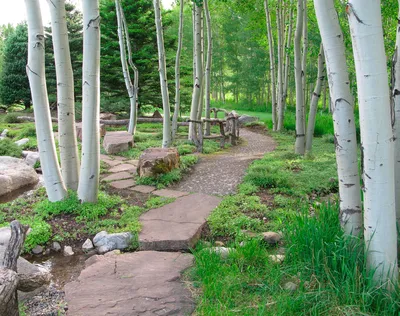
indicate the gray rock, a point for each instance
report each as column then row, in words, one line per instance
column 5, row 235
column 222, row 251
column 31, row 158
column 219, row 243
column 105, row 242
column 15, row 174
column 88, row 245
column 116, row 142
column 290, row 286
column 68, row 251
column 56, row 246
column 277, row 258
column 271, row 238
column 155, row 161
column 37, row 250
column 78, row 126
column 244, row 119
column 4, row 133
column 22, row 141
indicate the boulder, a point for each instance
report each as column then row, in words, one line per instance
column 245, row 119
column 108, row 117
column 78, row 127
column 15, row 174
column 22, row 141
column 105, row 242
column 31, row 157
column 116, row 142
column 156, row 161
column 157, row 114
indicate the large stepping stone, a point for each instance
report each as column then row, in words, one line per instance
column 117, row 176
column 172, row 194
column 176, row 226
column 123, row 184
column 140, row 283
column 116, row 142
column 123, row 167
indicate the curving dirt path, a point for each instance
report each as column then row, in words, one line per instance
column 221, row 173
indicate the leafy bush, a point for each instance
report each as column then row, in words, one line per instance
column 9, row 148
column 40, row 233
column 11, row 118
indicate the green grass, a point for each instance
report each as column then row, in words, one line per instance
column 9, row 148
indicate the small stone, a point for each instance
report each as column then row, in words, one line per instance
column 290, row 286
column 242, row 244
column 123, row 184
column 219, row 243
column 222, row 251
column 88, row 245
column 32, row 158
column 105, row 242
column 22, row 141
column 47, row 252
column 37, row 250
column 4, row 134
column 113, row 253
column 249, row 233
column 68, row 251
column 56, row 246
column 271, row 238
column 277, row 258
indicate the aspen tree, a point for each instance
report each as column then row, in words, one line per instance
column 208, row 65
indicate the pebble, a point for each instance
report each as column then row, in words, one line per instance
column 290, row 286
column 271, row 238
column 56, row 246
column 277, row 258
column 219, row 243
column 37, row 250
column 68, row 251
column 88, row 245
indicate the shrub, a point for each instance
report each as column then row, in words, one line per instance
column 9, row 148
column 12, row 118
column 39, row 235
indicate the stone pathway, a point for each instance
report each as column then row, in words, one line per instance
column 148, row 282
column 220, row 174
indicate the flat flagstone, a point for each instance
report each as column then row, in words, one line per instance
column 119, row 158
column 112, row 163
column 176, row 226
column 118, row 176
column 133, row 162
column 123, row 167
column 123, row 184
column 143, row 188
column 139, row 283
column 170, row 193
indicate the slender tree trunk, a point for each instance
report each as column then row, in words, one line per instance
column 132, row 92
column 395, row 92
column 135, row 95
column 202, row 90
column 315, row 99
column 343, row 117
column 280, row 66
column 199, row 72
column 305, row 50
column 208, row 66
column 376, row 137
column 287, row 57
column 65, row 96
column 90, row 167
column 272, row 66
column 324, row 103
column 178, row 73
column 54, row 184
column 300, row 119
column 163, row 76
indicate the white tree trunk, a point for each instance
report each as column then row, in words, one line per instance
column 314, row 100
column 287, row 56
column 343, row 116
column 54, row 184
column 178, row 73
column 272, row 65
column 305, row 49
column 208, row 66
column 279, row 87
column 376, row 137
column 163, row 76
column 131, row 88
column 300, row 119
column 396, row 124
column 65, row 95
column 201, row 100
column 199, row 72
column 90, row 165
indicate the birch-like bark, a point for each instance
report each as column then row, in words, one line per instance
column 130, row 87
column 201, row 100
column 343, row 116
column 208, row 66
column 90, row 165
column 314, row 100
column 280, row 66
column 178, row 73
column 35, row 69
column 395, row 92
column 199, row 72
column 305, row 50
column 287, row 56
column 68, row 144
column 377, row 140
column 300, row 119
column 272, row 65
column 163, row 76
